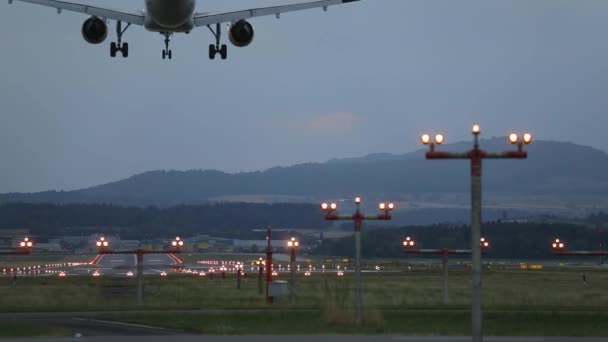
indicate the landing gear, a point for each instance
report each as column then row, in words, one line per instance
column 216, row 48
column 167, row 52
column 119, row 45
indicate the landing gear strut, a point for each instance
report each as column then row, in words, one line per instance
column 167, row 52
column 217, row 48
column 119, row 45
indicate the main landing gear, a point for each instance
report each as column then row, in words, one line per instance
column 167, row 52
column 217, row 48
column 119, row 45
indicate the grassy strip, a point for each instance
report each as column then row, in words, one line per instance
column 31, row 330
column 502, row 290
column 336, row 321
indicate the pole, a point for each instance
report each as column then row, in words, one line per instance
column 476, row 156
column 292, row 265
column 140, row 278
column 599, row 232
column 476, row 315
column 357, row 218
column 268, row 267
column 260, row 278
column 358, row 299
column 445, row 278
column 238, row 278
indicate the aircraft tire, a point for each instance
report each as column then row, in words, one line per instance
column 125, row 50
column 113, row 49
column 212, row 51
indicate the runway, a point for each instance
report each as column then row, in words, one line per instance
column 121, row 264
column 308, row 338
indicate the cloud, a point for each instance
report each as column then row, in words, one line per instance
column 333, row 121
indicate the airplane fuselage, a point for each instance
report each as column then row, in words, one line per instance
column 175, row 16
column 170, row 15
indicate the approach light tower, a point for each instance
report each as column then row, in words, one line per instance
column 292, row 244
column 104, row 248
column 409, row 243
column 358, row 219
column 560, row 249
column 260, row 263
column 23, row 248
column 476, row 155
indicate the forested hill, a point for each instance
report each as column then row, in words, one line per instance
column 552, row 168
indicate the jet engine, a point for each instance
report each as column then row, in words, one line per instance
column 94, row 30
column 241, row 33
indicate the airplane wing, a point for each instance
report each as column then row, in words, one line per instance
column 135, row 18
column 204, row 19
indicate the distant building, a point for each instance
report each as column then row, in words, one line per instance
column 75, row 240
column 514, row 220
column 258, row 243
column 130, row 244
column 47, row 247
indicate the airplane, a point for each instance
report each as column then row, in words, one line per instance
column 168, row 17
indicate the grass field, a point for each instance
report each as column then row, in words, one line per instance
column 30, row 330
column 389, row 322
column 516, row 302
column 502, row 290
column 31, row 260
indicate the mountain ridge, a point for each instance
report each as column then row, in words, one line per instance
column 553, row 167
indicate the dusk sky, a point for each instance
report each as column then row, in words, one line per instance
column 362, row 78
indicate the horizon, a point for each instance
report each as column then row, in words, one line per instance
column 331, row 160
column 309, row 88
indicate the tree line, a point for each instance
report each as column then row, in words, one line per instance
column 235, row 220
column 507, row 240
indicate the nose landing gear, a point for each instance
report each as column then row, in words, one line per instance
column 167, row 52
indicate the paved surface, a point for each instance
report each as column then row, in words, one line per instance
column 109, row 264
column 90, row 314
column 121, row 264
column 90, row 329
column 308, row 338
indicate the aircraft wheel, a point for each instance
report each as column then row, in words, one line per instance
column 125, row 50
column 113, row 49
column 224, row 51
column 212, row 51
